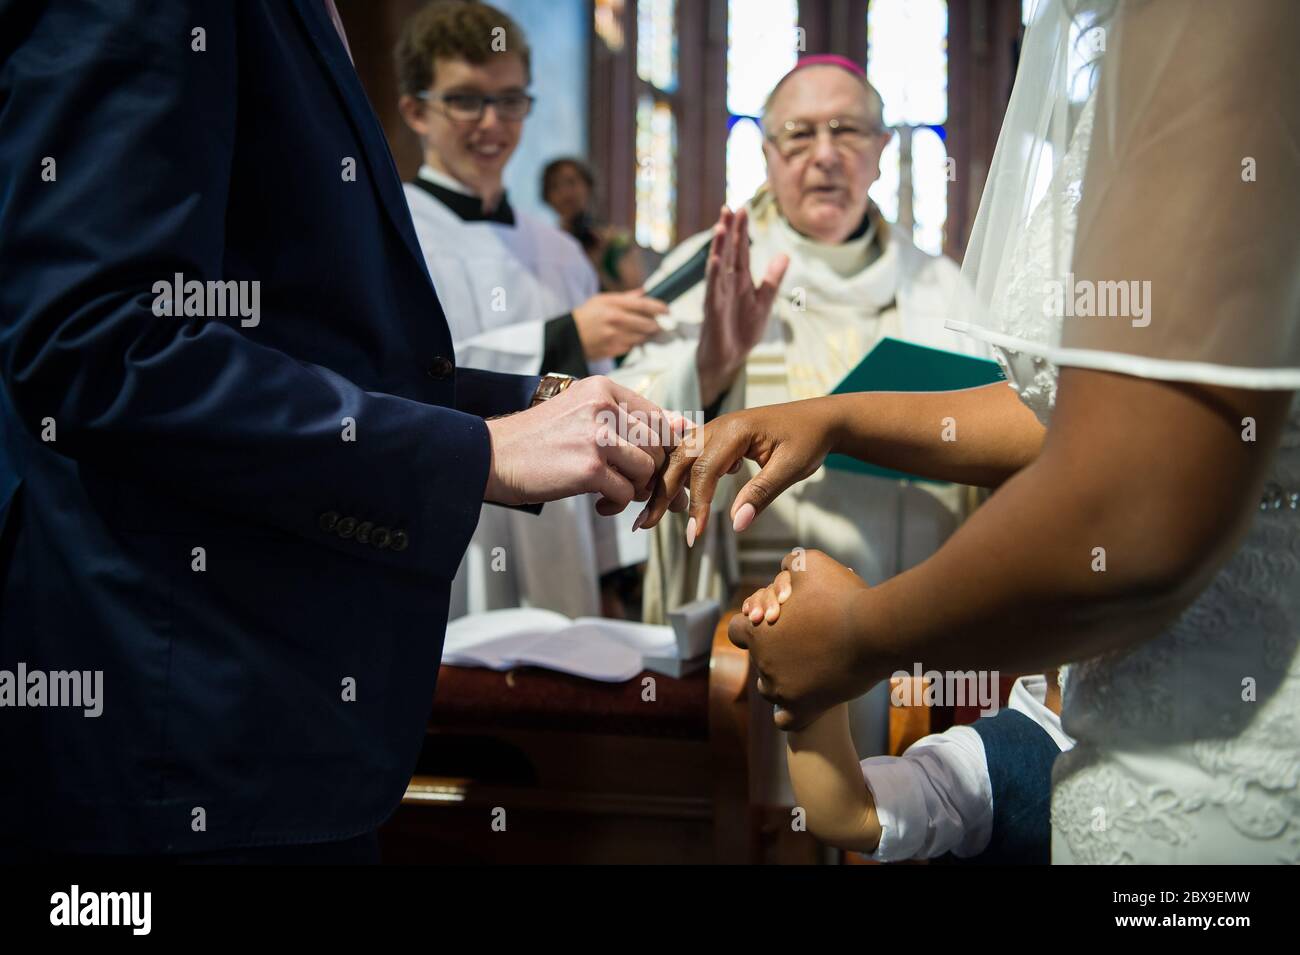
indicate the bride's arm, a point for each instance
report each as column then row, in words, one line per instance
column 977, row 436
column 1142, row 489
column 1152, row 481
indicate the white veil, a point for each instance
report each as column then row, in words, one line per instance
column 1142, row 211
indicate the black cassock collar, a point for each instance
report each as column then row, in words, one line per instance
column 467, row 208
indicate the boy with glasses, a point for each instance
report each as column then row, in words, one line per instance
column 519, row 293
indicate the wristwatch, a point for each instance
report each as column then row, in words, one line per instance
column 551, row 385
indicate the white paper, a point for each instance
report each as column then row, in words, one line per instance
column 593, row 647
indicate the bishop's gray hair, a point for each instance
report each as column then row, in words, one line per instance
column 875, row 105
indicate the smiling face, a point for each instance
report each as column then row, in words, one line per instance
column 822, row 192
column 472, row 152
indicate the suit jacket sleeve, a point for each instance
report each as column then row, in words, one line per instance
column 141, row 127
column 490, row 393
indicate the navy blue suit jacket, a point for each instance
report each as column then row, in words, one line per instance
column 225, row 720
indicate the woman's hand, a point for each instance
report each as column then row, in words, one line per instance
column 788, row 441
column 813, row 658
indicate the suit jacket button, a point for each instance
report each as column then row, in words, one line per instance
column 398, row 541
column 328, row 520
column 346, row 527
column 380, row 537
column 441, row 368
column 363, row 531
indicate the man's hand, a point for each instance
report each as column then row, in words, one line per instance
column 594, row 437
column 613, row 323
column 735, row 310
column 805, row 646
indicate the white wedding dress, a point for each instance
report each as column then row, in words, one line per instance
column 1189, row 743
column 1176, row 761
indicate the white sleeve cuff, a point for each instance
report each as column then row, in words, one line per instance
column 934, row 799
column 900, row 807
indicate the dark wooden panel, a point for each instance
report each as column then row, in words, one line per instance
column 372, row 27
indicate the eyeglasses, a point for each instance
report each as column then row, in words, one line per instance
column 470, row 107
column 797, row 139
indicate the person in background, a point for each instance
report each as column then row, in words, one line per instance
column 567, row 187
column 519, row 294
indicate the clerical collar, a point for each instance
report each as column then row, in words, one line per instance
column 865, row 226
column 456, row 197
column 859, row 251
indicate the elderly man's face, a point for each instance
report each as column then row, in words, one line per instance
column 820, row 177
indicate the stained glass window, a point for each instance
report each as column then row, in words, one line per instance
column 746, row 169
column 656, row 125
column 762, row 46
column 656, row 43
column 907, row 59
column 929, row 189
column 907, row 62
column 656, row 180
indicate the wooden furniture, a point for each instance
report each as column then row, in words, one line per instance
column 535, row 766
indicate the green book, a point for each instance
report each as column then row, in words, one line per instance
column 896, row 365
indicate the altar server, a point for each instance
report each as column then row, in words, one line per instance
column 519, row 293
